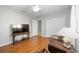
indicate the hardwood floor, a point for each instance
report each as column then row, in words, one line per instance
column 34, row 44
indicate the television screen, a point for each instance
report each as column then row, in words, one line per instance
column 20, row 28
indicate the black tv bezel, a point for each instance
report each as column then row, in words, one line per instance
column 20, row 30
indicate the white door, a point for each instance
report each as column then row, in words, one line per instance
column 34, row 27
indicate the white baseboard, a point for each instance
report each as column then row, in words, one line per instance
column 45, row 36
column 5, row 44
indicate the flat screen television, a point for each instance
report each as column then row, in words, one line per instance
column 20, row 28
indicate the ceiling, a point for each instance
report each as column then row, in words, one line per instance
column 44, row 9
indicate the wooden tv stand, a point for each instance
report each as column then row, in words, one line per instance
column 21, row 33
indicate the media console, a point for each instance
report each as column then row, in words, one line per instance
column 20, row 33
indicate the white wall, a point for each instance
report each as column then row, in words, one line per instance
column 43, row 27
column 8, row 17
column 77, row 18
column 53, row 25
column 52, row 22
column 58, row 14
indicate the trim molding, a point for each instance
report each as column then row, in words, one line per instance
column 5, row 44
